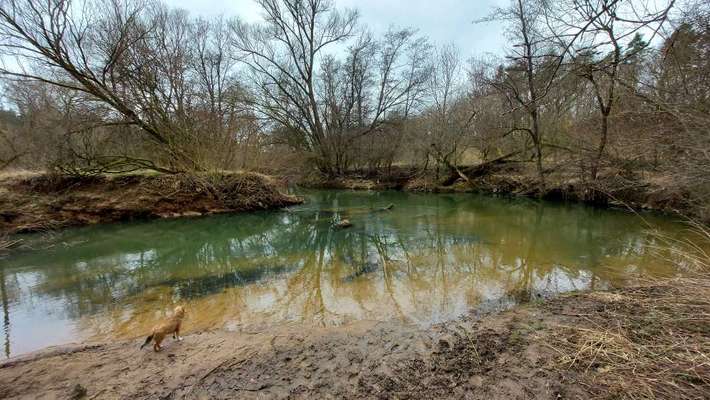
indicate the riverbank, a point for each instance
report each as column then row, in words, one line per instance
column 650, row 341
column 616, row 188
column 36, row 202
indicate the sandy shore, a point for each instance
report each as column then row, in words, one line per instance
column 584, row 345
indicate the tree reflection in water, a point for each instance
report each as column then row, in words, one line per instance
column 430, row 258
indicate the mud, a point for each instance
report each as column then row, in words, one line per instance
column 510, row 355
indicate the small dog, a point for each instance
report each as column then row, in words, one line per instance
column 170, row 325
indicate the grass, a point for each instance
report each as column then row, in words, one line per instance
column 650, row 342
column 654, row 343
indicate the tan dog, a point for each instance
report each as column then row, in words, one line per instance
column 170, row 325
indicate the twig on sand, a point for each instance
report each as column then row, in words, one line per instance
column 97, row 394
column 228, row 363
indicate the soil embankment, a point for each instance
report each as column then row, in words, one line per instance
column 39, row 202
column 648, row 191
column 644, row 342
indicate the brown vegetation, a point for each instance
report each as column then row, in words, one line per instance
column 39, row 202
column 649, row 342
column 612, row 187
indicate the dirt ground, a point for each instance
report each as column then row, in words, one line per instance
column 578, row 346
column 36, row 202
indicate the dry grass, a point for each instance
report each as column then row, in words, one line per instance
column 229, row 189
column 655, row 343
column 18, row 174
column 650, row 342
column 693, row 249
column 43, row 202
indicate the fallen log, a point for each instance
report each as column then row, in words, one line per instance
column 475, row 171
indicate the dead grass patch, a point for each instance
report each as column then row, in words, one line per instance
column 649, row 342
column 43, row 202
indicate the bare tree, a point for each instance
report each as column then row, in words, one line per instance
column 76, row 46
column 532, row 70
column 10, row 154
column 451, row 116
column 147, row 65
column 600, row 27
column 489, row 129
column 283, row 55
column 291, row 75
column 680, row 100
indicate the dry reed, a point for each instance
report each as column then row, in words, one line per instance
column 649, row 342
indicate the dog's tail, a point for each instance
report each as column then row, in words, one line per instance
column 147, row 340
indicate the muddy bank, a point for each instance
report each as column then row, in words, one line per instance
column 615, row 188
column 39, row 202
column 644, row 342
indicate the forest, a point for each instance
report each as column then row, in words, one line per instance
column 595, row 100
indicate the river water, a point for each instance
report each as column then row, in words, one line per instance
column 428, row 259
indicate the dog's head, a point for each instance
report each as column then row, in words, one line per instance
column 179, row 311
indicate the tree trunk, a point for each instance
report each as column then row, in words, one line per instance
column 603, row 132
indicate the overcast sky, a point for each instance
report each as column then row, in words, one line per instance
column 443, row 21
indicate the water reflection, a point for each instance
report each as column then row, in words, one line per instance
column 430, row 258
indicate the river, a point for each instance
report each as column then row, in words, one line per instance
column 428, row 259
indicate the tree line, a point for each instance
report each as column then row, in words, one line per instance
column 585, row 88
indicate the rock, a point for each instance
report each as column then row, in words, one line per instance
column 78, row 392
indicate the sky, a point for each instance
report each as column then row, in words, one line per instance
column 443, row 21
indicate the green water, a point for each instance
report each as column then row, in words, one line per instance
column 430, row 258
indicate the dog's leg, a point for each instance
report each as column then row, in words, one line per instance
column 157, row 340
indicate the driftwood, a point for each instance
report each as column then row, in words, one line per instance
column 343, row 223
column 389, row 207
column 475, row 171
